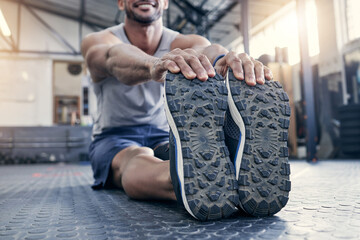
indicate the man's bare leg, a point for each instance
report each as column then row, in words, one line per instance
column 141, row 175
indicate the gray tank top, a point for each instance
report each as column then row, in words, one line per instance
column 120, row 105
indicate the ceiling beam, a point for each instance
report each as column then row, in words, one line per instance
column 192, row 14
column 99, row 22
column 52, row 30
column 222, row 14
column 7, row 41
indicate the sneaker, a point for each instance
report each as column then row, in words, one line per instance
column 256, row 132
column 202, row 173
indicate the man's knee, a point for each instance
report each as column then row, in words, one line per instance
column 140, row 151
column 128, row 154
column 121, row 162
column 130, row 178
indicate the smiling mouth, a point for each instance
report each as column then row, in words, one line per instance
column 145, row 4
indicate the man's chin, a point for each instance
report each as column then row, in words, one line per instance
column 145, row 20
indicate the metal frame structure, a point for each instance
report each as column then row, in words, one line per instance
column 202, row 19
column 80, row 14
column 53, row 31
column 245, row 25
column 31, row 7
column 196, row 15
column 308, row 90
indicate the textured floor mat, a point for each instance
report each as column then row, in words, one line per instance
column 57, row 202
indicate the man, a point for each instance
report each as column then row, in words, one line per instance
column 128, row 64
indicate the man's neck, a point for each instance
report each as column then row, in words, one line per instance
column 145, row 37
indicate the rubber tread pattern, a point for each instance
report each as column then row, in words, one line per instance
column 199, row 110
column 55, row 201
column 264, row 183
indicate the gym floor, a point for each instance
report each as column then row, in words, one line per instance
column 55, row 201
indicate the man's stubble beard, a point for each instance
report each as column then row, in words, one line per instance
column 143, row 20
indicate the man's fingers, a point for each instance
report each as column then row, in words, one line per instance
column 171, row 66
column 236, row 65
column 199, row 63
column 248, row 67
column 268, row 73
column 207, row 65
column 197, row 67
column 259, row 72
column 184, row 67
column 190, row 63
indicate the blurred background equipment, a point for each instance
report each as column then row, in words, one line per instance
column 28, row 145
column 312, row 46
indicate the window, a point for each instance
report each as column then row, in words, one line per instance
column 283, row 33
column 353, row 19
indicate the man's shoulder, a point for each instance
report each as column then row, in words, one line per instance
column 104, row 36
column 107, row 32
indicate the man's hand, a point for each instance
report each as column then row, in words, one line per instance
column 188, row 61
column 244, row 67
column 196, row 65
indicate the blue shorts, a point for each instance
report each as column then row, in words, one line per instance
column 111, row 141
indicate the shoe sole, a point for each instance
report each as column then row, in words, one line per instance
column 263, row 113
column 195, row 111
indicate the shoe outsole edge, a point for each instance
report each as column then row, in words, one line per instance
column 195, row 111
column 262, row 113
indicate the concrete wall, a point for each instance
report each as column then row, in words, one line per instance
column 27, row 76
column 25, row 91
column 65, row 83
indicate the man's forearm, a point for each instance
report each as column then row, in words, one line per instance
column 129, row 64
column 213, row 51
